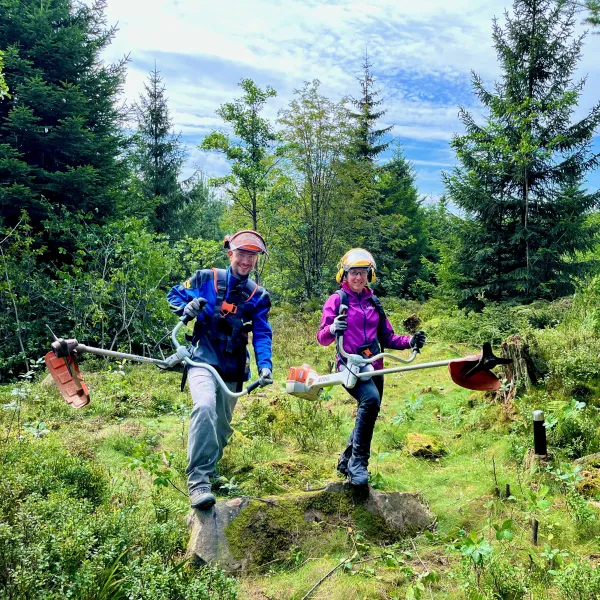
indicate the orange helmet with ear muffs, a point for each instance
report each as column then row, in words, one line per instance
column 247, row 240
column 357, row 257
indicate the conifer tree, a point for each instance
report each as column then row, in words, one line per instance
column 519, row 175
column 592, row 10
column 366, row 138
column 157, row 158
column 400, row 240
column 60, row 131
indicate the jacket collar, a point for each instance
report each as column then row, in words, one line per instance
column 364, row 295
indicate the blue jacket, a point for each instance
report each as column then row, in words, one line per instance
column 255, row 317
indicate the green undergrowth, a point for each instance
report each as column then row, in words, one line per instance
column 93, row 500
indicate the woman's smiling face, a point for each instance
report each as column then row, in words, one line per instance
column 357, row 278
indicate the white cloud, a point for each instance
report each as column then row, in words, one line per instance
column 431, row 163
column 422, row 53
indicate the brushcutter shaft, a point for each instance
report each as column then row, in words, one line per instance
column 112, row 354
column 429, row 365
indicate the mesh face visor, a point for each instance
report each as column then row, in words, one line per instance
column 249, row 241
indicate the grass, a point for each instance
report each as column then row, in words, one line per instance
column 139, row 414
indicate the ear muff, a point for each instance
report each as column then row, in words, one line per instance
column 339, row 276
column 226, row 242
column 371, row 277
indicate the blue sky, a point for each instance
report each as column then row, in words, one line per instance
column 422, row 55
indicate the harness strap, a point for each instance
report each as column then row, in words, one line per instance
column 246, row 292
column 220, row 283
column 224, row 308
column 376, row 302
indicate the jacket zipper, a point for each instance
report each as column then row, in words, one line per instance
column 364, row 319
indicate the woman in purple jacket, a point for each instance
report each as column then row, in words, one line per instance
column 364, row 326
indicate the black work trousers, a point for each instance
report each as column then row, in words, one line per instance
column 355, row 458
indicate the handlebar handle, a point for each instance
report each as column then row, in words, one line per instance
column 253, row 386
column 213, row 371
column 185, row 319
column 343, row 310
column 368, row 361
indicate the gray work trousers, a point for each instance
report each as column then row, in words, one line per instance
column 210, row 425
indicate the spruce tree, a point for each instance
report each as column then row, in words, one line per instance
column 158, row 156
column 592, row 7
column 366, row 138
column 520, row 173
column 60, row 131
column 400, row 240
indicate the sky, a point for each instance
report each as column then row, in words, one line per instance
column 423, row 54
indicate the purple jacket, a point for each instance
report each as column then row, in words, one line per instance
column 362, row 324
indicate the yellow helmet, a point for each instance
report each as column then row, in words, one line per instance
column 357, row 257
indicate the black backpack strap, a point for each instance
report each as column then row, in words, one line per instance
column 343, row 298
column 379, row 308
column 220, row 283
column 343, row 301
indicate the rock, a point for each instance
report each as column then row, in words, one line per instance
column 424, row 446
column 589, row 485
column 247, row 532
column 208, row 543
column 590, row 460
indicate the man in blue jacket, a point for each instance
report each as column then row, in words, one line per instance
column 227, row 305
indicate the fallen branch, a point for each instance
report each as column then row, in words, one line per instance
column 314, row 587
column 177, row 488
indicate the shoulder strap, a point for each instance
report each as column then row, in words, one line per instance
column 245, row 292
column 343, row 298
column 220, row 283
column 379, row 308
column 249, row 289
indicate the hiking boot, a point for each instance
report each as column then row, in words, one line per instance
column 342, row 467
column 357, row 473
column 201, row 497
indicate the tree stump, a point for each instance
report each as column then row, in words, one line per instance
column 522, row 372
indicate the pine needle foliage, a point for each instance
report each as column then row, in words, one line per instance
column 520, row 174
column 366, row 142
column 60, row 130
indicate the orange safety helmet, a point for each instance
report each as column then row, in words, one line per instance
column 247, row 240
column 357, row 257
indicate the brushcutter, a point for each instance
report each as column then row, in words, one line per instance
column 63, row 367
column 471, row 372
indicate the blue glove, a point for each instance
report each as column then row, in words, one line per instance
column 418, row 340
